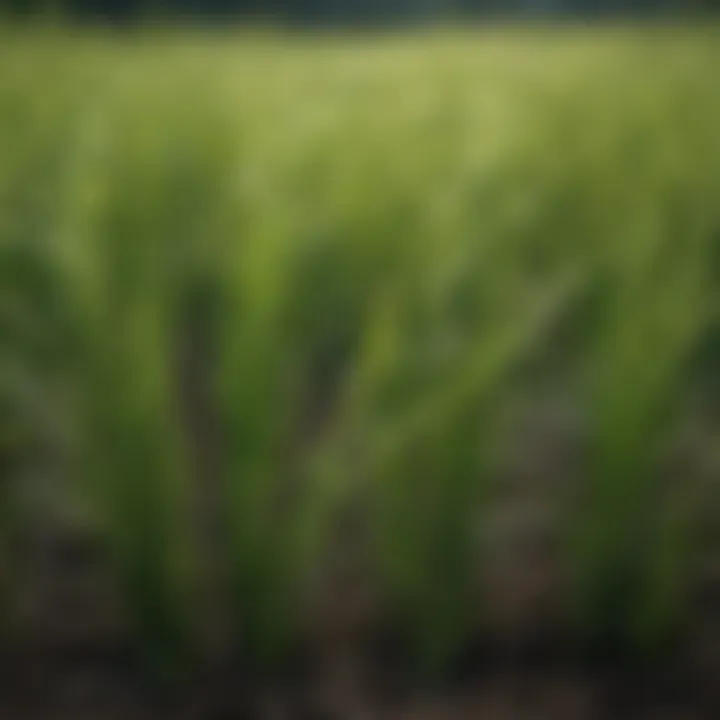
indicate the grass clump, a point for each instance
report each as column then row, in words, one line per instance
column 371, row 245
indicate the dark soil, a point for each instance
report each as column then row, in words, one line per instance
column 68, row 655
column 86, row 682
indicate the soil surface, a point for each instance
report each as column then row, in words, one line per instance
column 67, row 655
column 68, row 658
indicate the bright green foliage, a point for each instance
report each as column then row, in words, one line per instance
column 376, row 242
column 125, row 223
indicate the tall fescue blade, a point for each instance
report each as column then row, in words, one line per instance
column 428, row 457
column 259, row 396
column 122, row 270
column 34, row 133
column 634, row 545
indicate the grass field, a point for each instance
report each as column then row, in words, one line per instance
column 272, row 305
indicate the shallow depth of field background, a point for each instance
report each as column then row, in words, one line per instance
column 318, row 343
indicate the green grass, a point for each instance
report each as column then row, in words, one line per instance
column 381, row 239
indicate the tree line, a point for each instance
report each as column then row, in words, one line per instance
column 312, row 11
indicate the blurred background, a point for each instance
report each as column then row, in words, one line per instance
column 358, row 11
column 360, row 375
